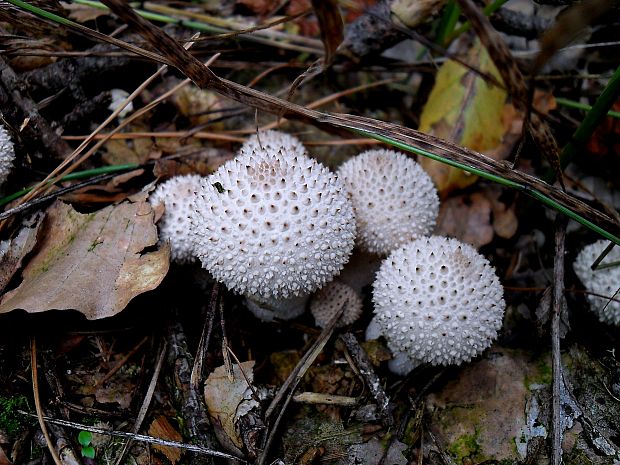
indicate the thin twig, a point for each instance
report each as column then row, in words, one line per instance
column 225, row 350
column 558, row 306
column 139, row 437
column 65, row 190
column 37, row 400
column 145, row 404
column 370, row 377
column 205, row 338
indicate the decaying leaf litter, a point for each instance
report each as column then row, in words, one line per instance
column 293, row 392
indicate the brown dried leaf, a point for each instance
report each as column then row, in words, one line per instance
column 83, row 13
column 468, row 218
column 161, row 428
column 4, row 460
column 412, row 13
column 118, row 390
column 228, row 401
column 260, row 7
column 121, row 151
column 18, row 248
column 331, row 24
column 92, row 262
column 505, row 221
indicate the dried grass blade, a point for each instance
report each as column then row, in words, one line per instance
column 515, row 83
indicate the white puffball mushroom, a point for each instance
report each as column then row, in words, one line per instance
column 176, row 194
column 330, row 299
column 438, row 301
column 602, row 281
column 7, row 154
column 395, row 201
column 272, row 223
column 273, row 141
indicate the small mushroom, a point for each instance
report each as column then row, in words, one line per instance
column 394, row 199
column 330, row 299
column 272, row 223
column 7, row 154
column 603, row 281
column 438, row 301
column 176, row 194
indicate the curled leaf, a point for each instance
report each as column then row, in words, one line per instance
column 94, row 263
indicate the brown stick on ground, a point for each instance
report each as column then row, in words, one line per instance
column 19, row 110
column 370, row 378
column 185, row 395
column 556, row 356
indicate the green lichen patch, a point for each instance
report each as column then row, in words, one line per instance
column 466, row 446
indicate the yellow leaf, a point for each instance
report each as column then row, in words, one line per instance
column 464, row 109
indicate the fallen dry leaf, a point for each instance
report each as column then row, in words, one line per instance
column 260, row 7
column 199, row 106
column 4, row 460
column 121, row 151
column 467, row 218
column 463, row 108
column 161, row 428
column 83, row 13
column 505, row 221
column 16, row 249
column 93, row 263
column 331, row 25
column 412, row 13
column 228, row 401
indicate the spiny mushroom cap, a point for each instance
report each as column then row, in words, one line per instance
column 604, row 282
column 394, row 199
column 438, row 301
column 273, row 141
column 176, row 194
column 330, row 299
column 273, row 225
column 7, row 154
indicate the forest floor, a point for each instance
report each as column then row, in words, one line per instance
column 137, row 359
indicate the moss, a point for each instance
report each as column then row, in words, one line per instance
column 466, row 446
column 10, row 420
column 543, row 373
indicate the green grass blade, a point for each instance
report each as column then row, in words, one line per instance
column 74, row 176
column 582, row 106
column 599, row 110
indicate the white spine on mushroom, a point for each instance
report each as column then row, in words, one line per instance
column 176, row 194
column 273, row 141
column 273, row 223
column 394, row 199
column 7, row 154
column 438, row 301
column 603, row 281
column 330, row 299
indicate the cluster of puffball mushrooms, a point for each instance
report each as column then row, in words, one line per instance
column 277, row 227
